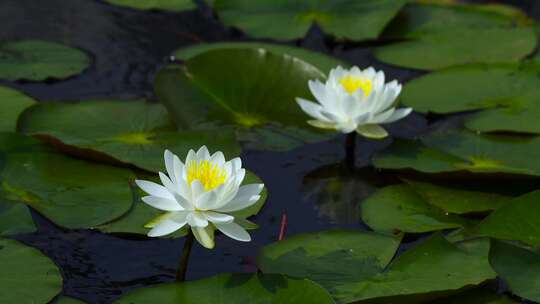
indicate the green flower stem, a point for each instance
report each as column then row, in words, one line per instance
column 350, row 150
column 188, row 243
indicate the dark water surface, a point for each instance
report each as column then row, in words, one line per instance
column 127, row 48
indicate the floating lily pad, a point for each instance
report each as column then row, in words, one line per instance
column 451, row 150
column 519, row 267
column 519, row 220
column 27, row 276
column 12, row 103
column 507, row 95
column 39, row 60
column 435, row 36
column 167, row 5
column 15, row 218
column 330, row 258
column 140, row 214
column 324, row 62
column 134, row 132
column 401, row 208
column 233, row 288
column 435, row 265
column 72, row 193
column 253, row 93
column 282, row 19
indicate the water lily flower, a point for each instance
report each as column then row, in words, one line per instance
column 354, row 100
column 201, row 193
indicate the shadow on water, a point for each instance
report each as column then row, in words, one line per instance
column 127, row 47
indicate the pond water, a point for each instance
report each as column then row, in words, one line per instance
column 308, row 184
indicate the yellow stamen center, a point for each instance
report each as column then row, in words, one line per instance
column 208, row 173
column 352, row 83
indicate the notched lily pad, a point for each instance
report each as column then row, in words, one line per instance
column 72, row 193
column 354, row 20
column 435, row 36
column 134, row 132
column 254, row 288
column 38, row 60
column 27, row 276
column 253, row 93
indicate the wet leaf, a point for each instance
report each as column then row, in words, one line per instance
column 258, row 103
column 166, row 5
column 323, row 62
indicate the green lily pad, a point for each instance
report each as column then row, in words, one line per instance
column 253, row 93
column 451, row 151
column 458, row 201
column 39, row 60
column 519, row 220
column 401, row 208
column 506, row 94
column 15, row 218
column 27, row 276
column 435, row 36
column 433, row 266
column 330, row 258
column 282, row 19
column 140, row 214
column 323, row 62
column 233, row 288
column 134, row 132
column 519, row 267
column 72, row 193
column 167, row 5
column 12, row 103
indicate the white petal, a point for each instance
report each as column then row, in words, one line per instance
column 216, row 217
column 197, row 189
column 196, row 219
column 236, row 164
column 247, row 195
column 218, row 158
column 311, row 108
column 234, row 231
column 178, row 170
column 382, row 117
column 191, row 156
column 182, row 201
column 167, row 182
column 398, row 114
column 203, row 153
column 154, row 189
column 206, row 201
column 168, row 225
column 169, row 164
column 162, row 203
column 318, row 90
column 240, row 175
column 205, row 236
column 372, row 131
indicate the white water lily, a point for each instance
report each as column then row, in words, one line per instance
column 201, row 193
column 354, row 100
